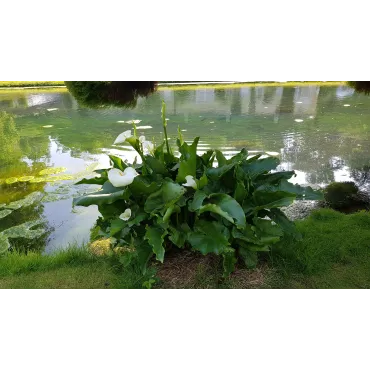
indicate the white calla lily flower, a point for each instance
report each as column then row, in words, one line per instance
column 148, row 146
column 190, row 182
column 125, row 216
column 121, row 138
column 119, row 178
column 142, row 139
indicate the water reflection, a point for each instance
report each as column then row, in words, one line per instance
column 328, row 142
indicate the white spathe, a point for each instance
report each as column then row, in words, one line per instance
column 121, row 138
column 190, row 182
column 142, row 139
column 148, row 146
column 125, row 216
column 119, row 178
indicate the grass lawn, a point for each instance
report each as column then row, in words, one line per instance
column 30, row 83
column 334, row 253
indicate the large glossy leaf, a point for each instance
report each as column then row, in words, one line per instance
column 208, row 237
column 155, row 236
column 240, row 157
column 169, row 211
column 288, row 226
column 222, row 161
column 265, row 199
column 141, row 186
column 116, row 226
column 178, row 235
column 267, row 227
column 247, row 235
column 231, row 206
column 169, row 194
column 118, row 162
column 188, row 161
column 207, row 158
column 229, row 260
column 240, row 192
column 259, row 166
column 144, row 253
column 108, row 195
column 301, row 192
column 215, row 209
column 93, row 181
column 273, row 178
column 155, row 165
column 218, row 172
column 197, row 201
column 140, row 216
column 248, row 256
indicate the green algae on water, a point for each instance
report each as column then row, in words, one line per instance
column 52, row 171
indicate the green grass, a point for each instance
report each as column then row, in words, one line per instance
column 73, row 268
column 30, row 83
column 334, row 253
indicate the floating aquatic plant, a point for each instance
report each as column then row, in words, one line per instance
column 24, row 230
column 11, row 180
column 26, row 201
column 4, row 243
column 5, row 212
column 52, row 171
column 25, row 178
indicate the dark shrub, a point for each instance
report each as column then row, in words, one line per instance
column 99, row 94
column 341, row 194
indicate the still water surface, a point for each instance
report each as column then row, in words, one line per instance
column 323, row 133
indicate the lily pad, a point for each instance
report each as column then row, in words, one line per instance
column 24, row 230
column 4, row 243
column 37, row 180
column 52, row 171
column 25, row 178
column 11, row 180
column 26, row 201
column 5, row 212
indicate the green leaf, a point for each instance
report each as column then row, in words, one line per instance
column 167, row 195
column 4, row 244
column 247, row 235
column 208, row 237
column 141, row 186
column 188, row 161
column 266, row 227
column 218, row 172
column 259, row 166
column 229, row 260
column 202, row 182
column 171, row 209
column 137, row 220
column 301, row 192
column 264, row 199
column 155, row 165
column 240, row 192
column 249, row 257
column 95, row 181
column 135, row 143
column 178, row 235
column 216, row 209
column 197, row 201
column 118, row 162
column 11, row 180
column 240, row 157
column 108, row 195
column 231, row 206
column 288, row 226
column 273, row 178
column 144, row 253
column 116, row 226
column 155, row 236
column 222, row 161
column 207, row 158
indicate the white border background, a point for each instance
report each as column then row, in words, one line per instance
column 199, row 41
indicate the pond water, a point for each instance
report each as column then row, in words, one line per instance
column 323, row 133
